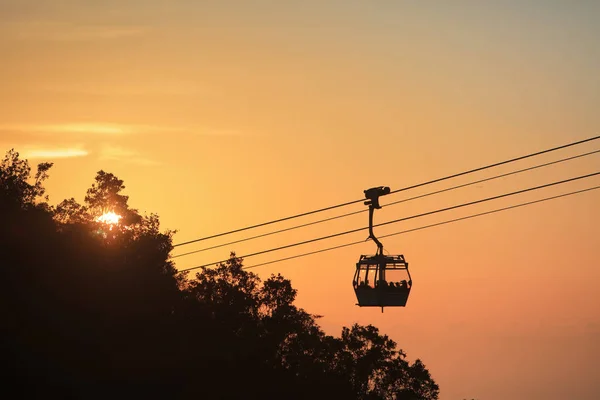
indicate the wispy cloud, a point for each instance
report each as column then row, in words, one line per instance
column 218, row 132
column 171, row 87
column 69, row 31
column 99, row 128
column 52, row 153
column 117, row 153
column 110, row 129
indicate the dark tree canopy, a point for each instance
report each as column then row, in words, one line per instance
column 91, row 310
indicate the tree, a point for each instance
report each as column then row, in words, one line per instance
column 97, row 310
column 14, row 188
column 69, row 211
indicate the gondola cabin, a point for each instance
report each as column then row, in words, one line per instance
column 382, row 281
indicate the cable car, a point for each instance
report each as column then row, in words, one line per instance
column 380, row 280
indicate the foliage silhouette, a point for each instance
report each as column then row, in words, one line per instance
column 92, row 310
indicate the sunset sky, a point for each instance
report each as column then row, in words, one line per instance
column 223, row 114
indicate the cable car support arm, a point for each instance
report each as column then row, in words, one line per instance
column 371, row 234
column 373, row 202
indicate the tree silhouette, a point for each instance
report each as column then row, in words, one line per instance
column 94, row 310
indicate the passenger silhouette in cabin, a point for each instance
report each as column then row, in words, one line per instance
column 403, row 285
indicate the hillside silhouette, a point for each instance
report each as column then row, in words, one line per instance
column 92, row 310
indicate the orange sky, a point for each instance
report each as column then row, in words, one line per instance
column 224, row 114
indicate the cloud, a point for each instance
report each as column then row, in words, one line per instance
column 172, row 87
column 117, row 153
column 52, row 153
column 99, row 128
column 219, row 132
column 114, row 130
column 110, row 152
column 69, row 31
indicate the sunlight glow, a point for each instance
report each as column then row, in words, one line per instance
column 109, row 218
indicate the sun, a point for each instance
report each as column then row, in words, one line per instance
column 109, row 218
